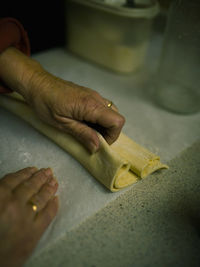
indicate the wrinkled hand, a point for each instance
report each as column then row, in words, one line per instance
column 74, row 109
column 20, row 226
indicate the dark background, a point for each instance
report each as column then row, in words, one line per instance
column 44, row 21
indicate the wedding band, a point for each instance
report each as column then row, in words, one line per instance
column 110, row 104
column 34, row 207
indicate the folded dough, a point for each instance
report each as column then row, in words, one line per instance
column 116, row 166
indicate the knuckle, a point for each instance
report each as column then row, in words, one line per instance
column 31, row 169
column 26, row 172
column 86, row 105
column 41, row 170
column 49, row 189
column 41, row 176
column 12, row 208
column 90, row 102
column 38, row 200
column 95, row 94
column 58, row 117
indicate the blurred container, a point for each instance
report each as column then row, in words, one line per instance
column 110, row 33
column 178, row 81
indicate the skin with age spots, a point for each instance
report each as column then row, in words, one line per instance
column 73, row 109
column 63, row 104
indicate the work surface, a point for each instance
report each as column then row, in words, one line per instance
column 81, row 196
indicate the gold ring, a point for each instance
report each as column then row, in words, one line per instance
column 110, row 104
column 34, row 207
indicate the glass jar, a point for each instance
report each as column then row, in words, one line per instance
column 178, row 77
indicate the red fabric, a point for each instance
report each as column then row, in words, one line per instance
column 12, row 33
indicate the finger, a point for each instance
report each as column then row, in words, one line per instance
column 110, row 120
column 112, row 123
column 31, row 186
column 86, row 135
column 46, row 215
column 47, row 191
column 106, row 121
column 12, row 180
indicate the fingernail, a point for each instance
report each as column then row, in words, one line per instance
column 52, row 182
column 48, row 172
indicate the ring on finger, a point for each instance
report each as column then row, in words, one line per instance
column 109, row 105
column 34, row 206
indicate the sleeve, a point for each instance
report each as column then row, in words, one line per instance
column 12, row 33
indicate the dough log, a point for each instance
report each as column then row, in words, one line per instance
column 116, row 166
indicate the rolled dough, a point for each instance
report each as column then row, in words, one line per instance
column 116, row 166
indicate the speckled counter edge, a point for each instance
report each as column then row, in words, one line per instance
column 155, row 223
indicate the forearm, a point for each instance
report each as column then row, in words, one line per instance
column 60, row 103
column 16, row 70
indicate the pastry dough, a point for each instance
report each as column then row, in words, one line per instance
column 116, row 166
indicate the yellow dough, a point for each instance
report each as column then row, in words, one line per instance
column 116, row 166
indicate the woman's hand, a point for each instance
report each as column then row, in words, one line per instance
column 20, row 226
column 72, row 108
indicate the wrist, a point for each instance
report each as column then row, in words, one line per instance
column 16, row 70
column 30, row 85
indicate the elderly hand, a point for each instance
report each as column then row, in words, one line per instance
column 20, row 226
column 72, row 108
